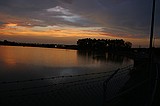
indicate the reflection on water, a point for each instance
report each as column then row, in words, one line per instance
column 116, row 58
column 37, row 56
column 102, row 56
column 97, row 56
column 29, row 62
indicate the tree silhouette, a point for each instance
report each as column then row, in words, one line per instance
column 103, row 44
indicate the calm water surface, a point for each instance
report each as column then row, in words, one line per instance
column 18, row 63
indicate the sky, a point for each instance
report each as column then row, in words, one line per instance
column 66, row 21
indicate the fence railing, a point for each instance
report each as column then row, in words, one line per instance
column 140, row 92
column 86, row 89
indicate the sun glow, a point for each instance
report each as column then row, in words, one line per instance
column 10, row 25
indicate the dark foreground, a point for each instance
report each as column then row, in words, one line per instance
column 145, row 90
column 137, row 85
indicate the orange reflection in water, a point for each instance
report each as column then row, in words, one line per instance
column 10, row 62
column 38, row 56
column 7, row 57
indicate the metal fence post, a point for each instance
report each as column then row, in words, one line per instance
column 105, row 83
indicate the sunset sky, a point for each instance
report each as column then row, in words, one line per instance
column 66, row 21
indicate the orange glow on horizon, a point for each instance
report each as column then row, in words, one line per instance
column 66, row 32
column 10, row 25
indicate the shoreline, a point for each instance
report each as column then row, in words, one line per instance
column 134, row 53
column 58, row 46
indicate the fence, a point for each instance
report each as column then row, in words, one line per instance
column 86, row 89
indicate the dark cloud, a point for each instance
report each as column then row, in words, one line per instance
column 130, row 16
column 1, row 23
column 22, row 7
column 67, row 1
column 116, row 16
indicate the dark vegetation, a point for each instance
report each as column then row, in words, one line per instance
column 103, row 44
column 82, row 44
column 10, row 43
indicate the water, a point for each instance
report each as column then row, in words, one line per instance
column 18, row 63
column 25, row 63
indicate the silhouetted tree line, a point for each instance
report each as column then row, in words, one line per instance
column 103, row 44
column 82, row 44
column 10, row 43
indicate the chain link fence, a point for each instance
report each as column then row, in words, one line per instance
column 93, row 89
